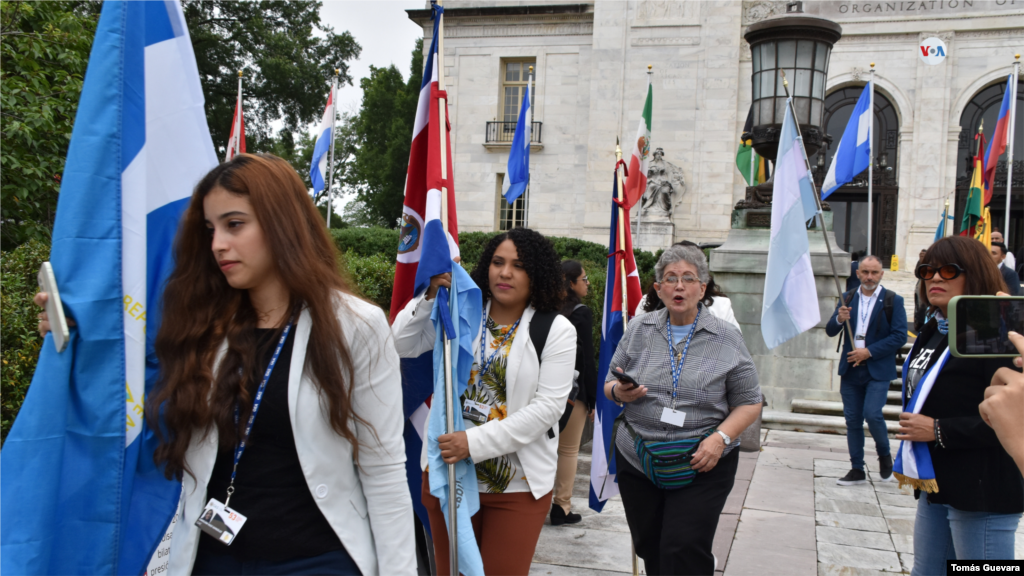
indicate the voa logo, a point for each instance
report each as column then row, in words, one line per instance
column 933, row 51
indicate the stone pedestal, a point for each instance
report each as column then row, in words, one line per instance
column 805, row 366
column 653, row 236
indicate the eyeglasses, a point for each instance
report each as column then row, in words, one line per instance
column 946, row 271
column 585, row 279
column 687, row 279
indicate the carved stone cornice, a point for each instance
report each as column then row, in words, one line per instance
column 678, row 41
column 981, row 34
column 762, row 9
column 946, row 36
column 878, row 38
column 457, row 30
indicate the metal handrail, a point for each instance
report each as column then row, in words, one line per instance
column 502, row 132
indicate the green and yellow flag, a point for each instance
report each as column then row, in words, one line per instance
column 973, row 209
column 744, row 154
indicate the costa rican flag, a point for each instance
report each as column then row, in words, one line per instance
column 602, row 472
column 81, row 494
column 318, row 169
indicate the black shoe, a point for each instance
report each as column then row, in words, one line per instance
column 559, row 517
column 853, row 477
column 885, row 468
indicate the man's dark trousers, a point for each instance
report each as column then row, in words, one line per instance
column 864, row 388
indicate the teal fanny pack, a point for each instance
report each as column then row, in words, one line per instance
column 667, row 464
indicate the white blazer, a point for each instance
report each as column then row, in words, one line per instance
column 368, row 506
column 536, row 391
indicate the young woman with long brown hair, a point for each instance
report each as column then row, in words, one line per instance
column 279, row 392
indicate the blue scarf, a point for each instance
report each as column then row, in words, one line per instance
column 913, row 466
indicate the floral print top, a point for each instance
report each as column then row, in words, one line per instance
column 503, row 473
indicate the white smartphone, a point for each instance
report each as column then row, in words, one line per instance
column 54, row 307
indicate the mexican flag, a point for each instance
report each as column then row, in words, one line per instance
column 636, row 181
column 973, row 210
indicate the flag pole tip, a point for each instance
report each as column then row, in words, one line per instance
column 872, row 64
column 531, row 69
column 337, row 71
column 649, row 67
column 239, row 73
column 1016, row 56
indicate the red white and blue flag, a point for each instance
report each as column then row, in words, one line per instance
column 602, row 473
column 424, row 250
column 997, row 144
column 318, row 168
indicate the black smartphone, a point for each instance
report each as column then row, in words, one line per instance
column 626, row 378
column 979, row 325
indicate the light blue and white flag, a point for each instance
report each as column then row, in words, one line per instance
column 790, row 300
column 80, row 493
column 913, row 465
column 459, row 313
column 853, row 153
column 318, row 168
column 517, row 178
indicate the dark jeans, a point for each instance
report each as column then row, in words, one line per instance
column 863, row 401
column 673, row 530
column 336, row 563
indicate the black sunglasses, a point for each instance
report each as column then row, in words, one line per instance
column 946, row 271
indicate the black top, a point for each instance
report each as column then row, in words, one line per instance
column 1011, row 279
column 284, row 521
column 973, row 471
column 583, row 320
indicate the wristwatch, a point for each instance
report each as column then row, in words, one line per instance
column 725, row 437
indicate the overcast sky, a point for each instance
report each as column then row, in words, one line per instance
column 384, row 31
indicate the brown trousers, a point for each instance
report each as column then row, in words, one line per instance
column 507, row 528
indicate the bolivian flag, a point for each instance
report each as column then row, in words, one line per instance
column 974, row 210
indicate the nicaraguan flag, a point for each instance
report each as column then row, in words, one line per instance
column 853, row 153
column 790, row 299
column 80, row 492
column 318, row 168
column 602, row 471
column 518, row 176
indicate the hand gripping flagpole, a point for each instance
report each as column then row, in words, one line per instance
column 1009, row 145
column 450, row 402
column 330, row 162
column 817, row 200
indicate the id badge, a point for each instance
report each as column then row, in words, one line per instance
column 858, row 341
column 673, row 417
column 475, row 411
column 221, row 522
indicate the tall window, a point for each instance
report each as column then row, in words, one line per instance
column 515, row 77
column 514, row 214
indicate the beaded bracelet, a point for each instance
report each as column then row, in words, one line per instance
column 938, row 434
column 614, row 397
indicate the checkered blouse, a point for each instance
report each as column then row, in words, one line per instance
column 717, row 373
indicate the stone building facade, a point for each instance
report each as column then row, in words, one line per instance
column 591, row 61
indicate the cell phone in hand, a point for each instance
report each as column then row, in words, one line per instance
column 629, row 381
column 979, row 326
column 54, row 307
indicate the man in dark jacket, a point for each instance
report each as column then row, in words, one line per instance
column 998, row 251
column 879, row 324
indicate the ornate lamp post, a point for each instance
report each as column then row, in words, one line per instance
column 800, row 45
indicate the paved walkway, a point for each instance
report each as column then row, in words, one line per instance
column 785, row 516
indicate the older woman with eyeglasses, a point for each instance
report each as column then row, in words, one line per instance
column 970, row 493
column 695, row 391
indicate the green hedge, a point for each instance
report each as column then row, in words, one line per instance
column 19, row 340
column 368, row 262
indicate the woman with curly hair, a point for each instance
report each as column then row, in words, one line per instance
column 517, row 392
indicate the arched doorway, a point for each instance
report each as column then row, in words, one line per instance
column 850, row 203
column 985, row 107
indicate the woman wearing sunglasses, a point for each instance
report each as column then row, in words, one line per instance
column 970, row 492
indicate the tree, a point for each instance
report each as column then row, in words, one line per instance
column 383, row 135
column 44, row 50
column 288, row 56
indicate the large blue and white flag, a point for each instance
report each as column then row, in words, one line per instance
column 459, row 313
column 853, row 153
column 790, row 299
column 318, row 168
column 518, row 176
column 80, row 493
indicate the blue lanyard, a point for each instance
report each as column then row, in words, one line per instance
column 255, row 408
column 486, row 363
column 677, row 367
column 864, row 311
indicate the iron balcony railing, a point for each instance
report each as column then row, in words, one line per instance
column 502, row 132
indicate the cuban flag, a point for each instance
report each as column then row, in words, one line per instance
column 80, row 493
column 997, row 145
column 318, row 168
column 853, row 153
column 423, row 251
column 789, row 307
column 518, row 176
column 602, row 472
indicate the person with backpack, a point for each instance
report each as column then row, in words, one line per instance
column 583, row 396
column 525, row 353
column 867, row 365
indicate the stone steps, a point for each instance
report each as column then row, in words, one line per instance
column 817, row 423
column 825, row 407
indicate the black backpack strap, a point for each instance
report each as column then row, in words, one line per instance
column 540, row 325
column 887, row 304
